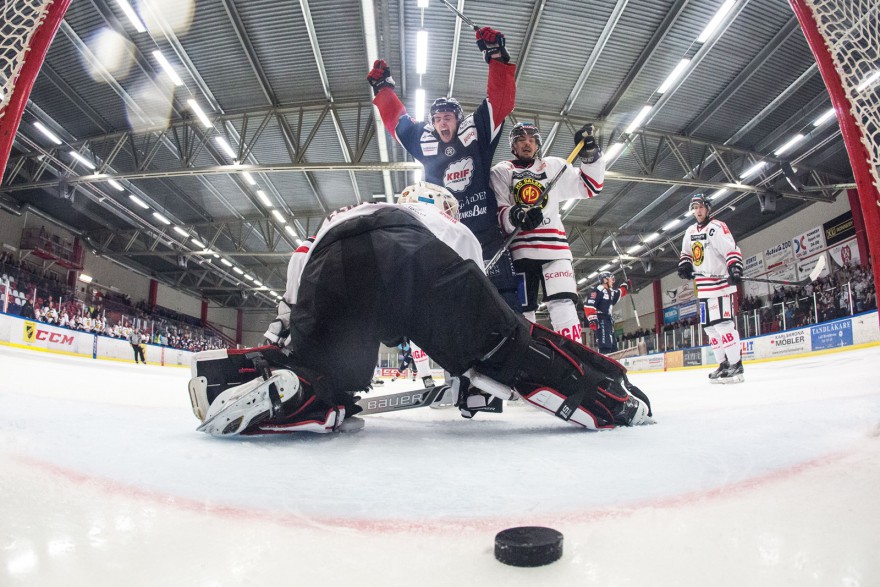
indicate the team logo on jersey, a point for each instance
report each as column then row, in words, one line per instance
column 697, row 253
column 458, row 175
column 529, row 191
column 449, row 152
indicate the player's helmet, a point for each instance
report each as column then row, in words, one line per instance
column 447, row 105
column 524, row 129
column 604, row 275
column 429, row 193
column 700, row 199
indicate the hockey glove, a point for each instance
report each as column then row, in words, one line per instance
column 526, row 217
column 593, row 322
column 686, row 270
column 590, row 152
column 380, row 76
column 491, row 43
column 735, row 273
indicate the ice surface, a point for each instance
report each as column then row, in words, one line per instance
column 104, row 481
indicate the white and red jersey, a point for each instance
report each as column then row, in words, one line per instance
column 515, row 182
column 453, row 233
column 711, row 250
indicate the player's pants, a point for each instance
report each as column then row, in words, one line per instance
column 716, row 317
column 501, row 274
column 605, row 334
column 556, row 278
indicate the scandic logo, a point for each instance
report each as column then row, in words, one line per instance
column 54, row 337
column 555, row 274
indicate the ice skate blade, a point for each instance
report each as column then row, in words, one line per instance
column 734, row 379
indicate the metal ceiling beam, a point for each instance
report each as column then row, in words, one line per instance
column 250, row 53
column 453, row 54
column 534, row 19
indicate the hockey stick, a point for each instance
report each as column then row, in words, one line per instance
column 506, row 244
column 628, row 282
column 405, row 400
column 460, row 15
column 814, row 275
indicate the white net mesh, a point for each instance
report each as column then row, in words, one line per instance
column 851, row 29
column 19, row 20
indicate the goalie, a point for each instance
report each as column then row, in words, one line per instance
column 385, row 272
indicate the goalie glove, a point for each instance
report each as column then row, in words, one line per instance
column 278, row 332
column 380, row 76
column 526, row 217
column 491, row 43
column 590, row 151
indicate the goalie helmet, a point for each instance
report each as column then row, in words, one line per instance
column 429, row 193
column 524, row 129
column 447, row 105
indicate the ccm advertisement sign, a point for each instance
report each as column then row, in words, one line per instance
column 41, row 335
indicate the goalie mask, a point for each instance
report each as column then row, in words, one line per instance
column 433, row 194
column 524, row 129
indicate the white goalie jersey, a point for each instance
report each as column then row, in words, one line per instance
column 711, row 250
column 515, row 183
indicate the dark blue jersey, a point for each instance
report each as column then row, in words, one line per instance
column 601, row 300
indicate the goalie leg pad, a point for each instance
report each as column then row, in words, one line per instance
column 239, row 408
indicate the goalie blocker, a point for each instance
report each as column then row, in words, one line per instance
column 442, row 301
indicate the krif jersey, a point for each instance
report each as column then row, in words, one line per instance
column 517, row 183
column 462, row 165
column 601, row 300
column 710, row 249
column 454, row 234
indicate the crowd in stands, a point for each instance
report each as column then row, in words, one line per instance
column 103, row 312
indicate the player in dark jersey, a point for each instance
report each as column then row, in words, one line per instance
column 457, row 150
column 599, row 308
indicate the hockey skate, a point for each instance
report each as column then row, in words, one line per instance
column 244, row 406
column 633, row 413
column 733, row 374
column 714, row 375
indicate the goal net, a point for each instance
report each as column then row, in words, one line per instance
column 844, row 36
column 27, row 28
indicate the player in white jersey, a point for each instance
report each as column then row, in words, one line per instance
column 710, row 257
column 384, row 272
column 541, row 255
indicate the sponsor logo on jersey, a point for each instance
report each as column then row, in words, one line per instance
column 698, row 237
column 473, row 212
column 449, row 151
column 429, row 149
column 697, row 253
column 529, row 191
column 469, row 137
column 457, row 176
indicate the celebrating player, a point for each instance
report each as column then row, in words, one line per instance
column 711, row 258
column 329, row 331
column 599, row 310
column 541, row 254
column 457, row 150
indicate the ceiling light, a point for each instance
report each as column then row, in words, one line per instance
column 299, row 242
column 197, row 110
column 422, row 3
column 787, row 146
column 264, row 198
column 290, row 230
column 161, row 218
column 181, row 231
column 753, row 170
column 82, row 159
column 85, row 278
column 129, row 12
column 420, row 104
column 676, row 73
column 869, row 81
column 713, row 195
column 651, row 237
column 605, row 266
column 258, row 283
column 672, row 224
column 249, row 178
column 639, row 119
column 198, row 243
column 157, row 55
column 421, row 51
column 138, row 201
column 568, row 204
column 226, row 262
column 716, row 21
column 613, row 150
column 49, row 134
column 216, row 256
column 279, row 216
column 582, row 280
column 238, row 270
column 634, row 249
column 249, row 277
column 825, row 117
column 116, row 185
column 224, row 144
column 592, row 275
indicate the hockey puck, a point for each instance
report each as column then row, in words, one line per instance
column 528, row 546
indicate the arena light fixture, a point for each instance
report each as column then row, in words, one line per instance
column 716, row 21
column 238, row 270
column 672, row 224
column 181, row 231
column 605, row 267
column 421, row 52
column 48, row 133
column 138, row 201
column 198, row 243
column 592, row 275
column 789, row 145
column 582, row 280
column 422, row 3
column 712, row 196
column 651, row 237
column 258, row 283
column 116, row 185
column 226, row 262
column 226, row 147
column 264, row 198
column 200, row 114
column 753, row 169
column 132, row 16
column 869, row 81
column 634, row 249
column 161, row 218
column 825, row 117
column 279, row 216
column 82, row 159
column 85, row 278
column 249, row 178
column 249, row 277
column 290, row 230
column 568, row 204
column 643, row 114
column 166, row 66
column 676, row 73
column 613, row 150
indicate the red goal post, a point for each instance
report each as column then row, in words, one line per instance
column 844, row 36
column 27, row 28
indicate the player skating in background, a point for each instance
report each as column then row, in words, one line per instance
column 710, row 257
column 599, row 310
column 457, row 150
column 329, row 332
column 541, row 255
column 404, row 360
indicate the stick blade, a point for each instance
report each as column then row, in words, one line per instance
column 818, row 269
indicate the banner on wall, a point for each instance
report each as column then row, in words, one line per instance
column 831, row 335
column 688, row 310
column 809, row 243
column 778, row 256
column 670, row 315
column 753, row 267
column 692, row 357
column 839, row 229
column 843, row 254
column 682, row 293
